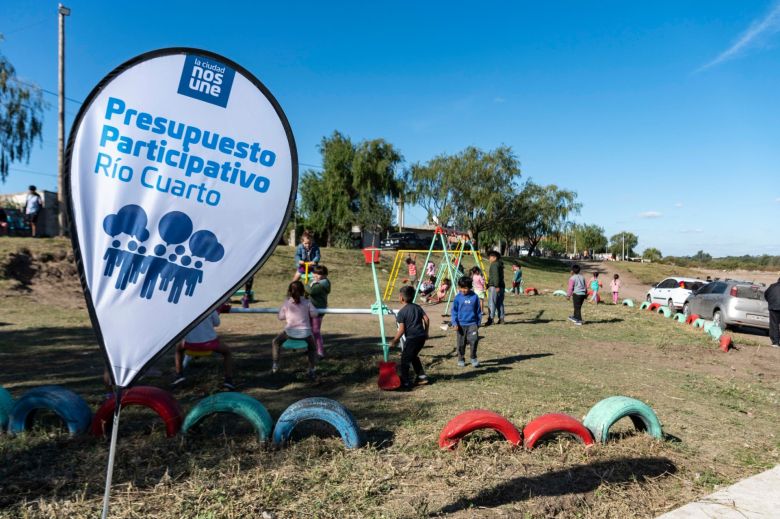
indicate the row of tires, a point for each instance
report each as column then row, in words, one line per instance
column 17, row 416
column 594, row 428
column 709, row 327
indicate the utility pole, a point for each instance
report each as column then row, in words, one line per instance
column 62, row 217
column 623, row 235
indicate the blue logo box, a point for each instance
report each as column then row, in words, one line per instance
column 206, row 79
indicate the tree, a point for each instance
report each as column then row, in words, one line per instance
column 652, row 254
column 701, row 257
column 616, row 244
column 591, row 237
column 356, row 187
column 544, row 211
column 21, row 117
column 472, row 189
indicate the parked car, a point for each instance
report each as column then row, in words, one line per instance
column 730, row 303
column 404, row 240
column 673, row 291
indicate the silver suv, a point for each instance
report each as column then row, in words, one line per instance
column 730, row 303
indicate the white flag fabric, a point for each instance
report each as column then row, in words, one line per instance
column 181, row 176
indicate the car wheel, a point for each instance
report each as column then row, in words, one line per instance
column 686, row 310
column 670, row 304
column 649, row 299
column 717, row 318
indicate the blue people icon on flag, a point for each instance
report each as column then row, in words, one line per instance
column 171, row 267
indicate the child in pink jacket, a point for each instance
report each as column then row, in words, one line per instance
column 614, row 285
column 297, row 312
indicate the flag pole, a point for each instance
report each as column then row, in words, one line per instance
column 112, row 449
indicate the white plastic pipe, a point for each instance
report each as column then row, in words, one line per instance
column 348, row 311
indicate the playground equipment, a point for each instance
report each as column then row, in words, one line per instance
column 561, row 293
column 388, row 377
column 644, row 305
column 629, row 303
column 531, row 291
column 691, row 318
column 321, row 409
column 552, row 424
column 654, row 306
column 6, row 404
column 234, row 403
column 665, row 311
column 604, row 414
column 160, row 401
column 69, row 406
column 725, row 343
column 470, row 421
column 680, row 318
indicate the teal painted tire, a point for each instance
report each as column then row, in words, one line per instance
column 6, row 404
column 629, row 303
column 239, row 404
column 560, row 293
column 322, row 409
column 699, row 323
column 715, row 332
column 295, row 344
column 644, row 305
column 680, row 318
column 708, row 325
column 666, row 311
column 604, row 414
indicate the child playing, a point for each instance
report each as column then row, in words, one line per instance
column 413, row 324
column 204, row 338
column 577, row 293
column 441, row 294
column 496, row 288
column 595, row 285
column 411, row 268
column 428, row 286
column 517, row 279
column 614, row 285
column 298, row 313
column 466, row 317
column 478, row 284
column 318, row 292
column 430, row 269
column 306, row 252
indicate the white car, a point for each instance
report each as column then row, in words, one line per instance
column 673, row 292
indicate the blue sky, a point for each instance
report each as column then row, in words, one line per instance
column 663, row 116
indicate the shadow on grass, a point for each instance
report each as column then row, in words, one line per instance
column 604, row 321
column 575, row 480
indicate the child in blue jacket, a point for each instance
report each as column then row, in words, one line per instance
column 466, row 317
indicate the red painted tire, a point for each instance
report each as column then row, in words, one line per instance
column 531, row 291
column 160, row 401
column 726, row 343
column 470, row 421
column 691, row 318
column 553, row 423
column 653, row 307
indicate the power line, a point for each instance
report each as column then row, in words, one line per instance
column 311, row 165
column 31, row 172
column 46, row 90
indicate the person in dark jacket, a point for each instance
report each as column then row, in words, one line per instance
column 496, row 288
column 772, row 296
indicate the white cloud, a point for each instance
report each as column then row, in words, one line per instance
column 650, row 214
column 767, row 26
column 678, row 204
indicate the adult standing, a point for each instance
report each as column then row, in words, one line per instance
column 772, row 296
column 577, row 293
column 496, row 288
column 32, row 210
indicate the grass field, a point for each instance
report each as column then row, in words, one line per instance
column 719, row 411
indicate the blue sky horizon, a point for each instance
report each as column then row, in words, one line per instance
column 662, row 117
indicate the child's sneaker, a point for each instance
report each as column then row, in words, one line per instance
column 461, row 363
column 489, row 321
column 572, row 319
column 178, row 380
column 275, row 367
column 228, row 384
column 474, row 363
column 422, row 380
column 578, row 323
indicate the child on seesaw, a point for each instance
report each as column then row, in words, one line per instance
column 318, row 292
column 204, row 338
column 297, row 312
column 413, row 324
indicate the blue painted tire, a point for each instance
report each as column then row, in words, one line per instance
column 6, row 404
column 629, row 303
column 234, row 403
column 604, row 414
column 322, row 409
column 666, row 311
column 69, row 406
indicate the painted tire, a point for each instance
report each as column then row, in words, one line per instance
column 156, row 399
column 680, row 318
column 691, row 318
column 560, row 293
column 531, row 291
column 322, row 409
column 708, row 325
column 6, row 404
column 698, row 323
column 715, row 332
column 604, row 414
column 725, row 343
column 644, row 305
column 234, row 403
column 469, row 421
column 69, row 406
column 666, row 311
column 197, row 353
column 629, row 303
column 654, row 306
column 554, row 423
column 295, row 344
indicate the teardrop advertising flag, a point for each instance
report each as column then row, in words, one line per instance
column 181, row 174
